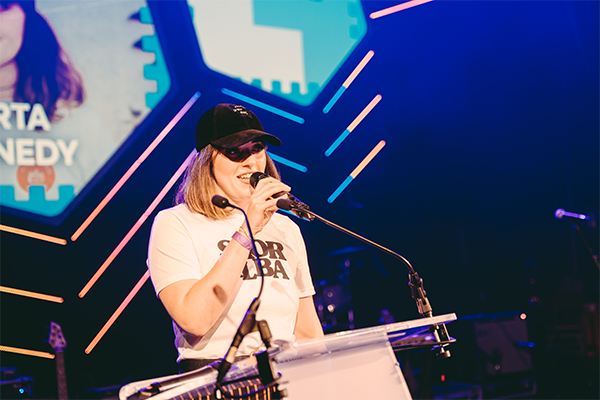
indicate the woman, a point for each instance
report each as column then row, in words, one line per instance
column 48, row 136
column 33, row 66
column 200, row 257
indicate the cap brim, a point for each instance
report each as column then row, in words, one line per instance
column 243, row 137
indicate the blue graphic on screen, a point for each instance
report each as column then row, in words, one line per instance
column 287, row 48
column 156, row 71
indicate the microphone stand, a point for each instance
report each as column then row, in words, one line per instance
column 415, row 282
column 587, row 245
column 560, row 213
column 249, row 324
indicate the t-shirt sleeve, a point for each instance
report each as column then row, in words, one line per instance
column 171, row 255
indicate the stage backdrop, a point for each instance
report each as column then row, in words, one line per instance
column 448, row 131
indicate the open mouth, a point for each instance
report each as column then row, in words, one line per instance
column 245, row 177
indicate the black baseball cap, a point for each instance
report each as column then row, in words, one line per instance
column 230, row 125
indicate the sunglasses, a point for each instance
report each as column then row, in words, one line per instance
column 237, row 154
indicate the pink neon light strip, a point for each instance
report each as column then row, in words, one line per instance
column 399, row 7
column 137, row 225
column 135, row 166
column 358, row 69
column 117, row 312
column 33, row 235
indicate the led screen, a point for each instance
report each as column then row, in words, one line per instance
column 76, row 86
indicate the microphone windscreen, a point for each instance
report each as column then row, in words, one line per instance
column 559, row 213
column 255, row 177
column 220, row 201
column 285, row 204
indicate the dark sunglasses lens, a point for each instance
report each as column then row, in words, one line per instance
column 236, row 154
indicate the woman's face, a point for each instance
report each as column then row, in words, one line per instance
column 12, row 24
column 232, row 169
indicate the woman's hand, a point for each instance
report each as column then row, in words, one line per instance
column 262, row 206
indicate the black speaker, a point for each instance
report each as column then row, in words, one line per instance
column 503, row 345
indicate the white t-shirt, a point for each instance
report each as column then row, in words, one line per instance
column 186, row 245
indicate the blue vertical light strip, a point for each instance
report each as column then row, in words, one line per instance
column 262, row 105
column 340, row 189
column 287, row 162
column 348, row 81
column 334, row 99
column 353, row 125
column 357, row 170
column 337, row 142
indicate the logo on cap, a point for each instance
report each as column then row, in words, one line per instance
column 241, row 110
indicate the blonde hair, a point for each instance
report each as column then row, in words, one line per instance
column 199, row 184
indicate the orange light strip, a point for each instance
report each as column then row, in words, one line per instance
column 358, row 69
column 348, row 82
column 33, row 235
column 135, row 166
column 117, row 312
column 364, row 113
column 399, row 7
column 356, row 171
column 33, row 295
column 26, row 352
column 367, row 159
column 137, row 225
column 353, row 125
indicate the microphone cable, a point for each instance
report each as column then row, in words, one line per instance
column 248, row 322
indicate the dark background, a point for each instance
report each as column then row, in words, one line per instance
column 490, row 113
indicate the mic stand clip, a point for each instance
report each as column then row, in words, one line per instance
column 266, row 371
column 439, row 331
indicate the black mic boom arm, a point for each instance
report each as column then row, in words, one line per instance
column 414, row 281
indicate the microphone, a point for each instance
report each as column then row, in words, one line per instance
column 285, row 204
column 220, row 201
column 560, row 213
column 297, row 207
column 256, row 177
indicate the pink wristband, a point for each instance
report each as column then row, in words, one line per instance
column 243, row 240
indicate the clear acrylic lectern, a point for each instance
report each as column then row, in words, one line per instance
column 358, row 364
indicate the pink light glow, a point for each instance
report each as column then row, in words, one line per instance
column 399, row 7
column 117, row 312
column 135, row 166
column 137, row 225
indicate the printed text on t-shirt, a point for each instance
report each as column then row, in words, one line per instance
column 271, row 255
